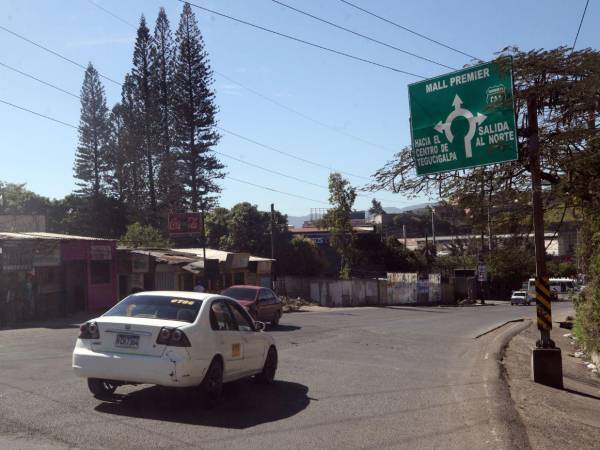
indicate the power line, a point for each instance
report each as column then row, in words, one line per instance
column 55, row 53
column 112, row 14
column 329, row 169
column 301, row 114
column 291, row 155
column 302, row 41
column 276, row 190
column 263, row 96
column 356, row 33
column 580, row 23
column 248, row 163
column 416, row 33
column 285, row 175
column 39, row 114
column 227, row 176
column 38, row 80
column 222, row 129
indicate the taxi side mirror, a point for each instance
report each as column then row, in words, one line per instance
column 259, row 326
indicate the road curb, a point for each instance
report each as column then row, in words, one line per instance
column 498, row 327
column 503, row 412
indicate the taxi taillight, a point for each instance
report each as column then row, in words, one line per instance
column 172, row 337
column 89, row 330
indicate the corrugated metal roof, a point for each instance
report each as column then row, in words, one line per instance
column 211, row 253
column 259, row 258
column 170, row 257
column 49, row 236
column 15, row 236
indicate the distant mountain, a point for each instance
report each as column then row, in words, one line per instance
column 394, row 210
column 298, row 221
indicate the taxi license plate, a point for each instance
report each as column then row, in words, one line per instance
column 127, row 341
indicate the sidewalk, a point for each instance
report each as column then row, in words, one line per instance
column 553, row 418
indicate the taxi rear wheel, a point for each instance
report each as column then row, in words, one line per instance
column 102, row 389
column 268, row 373
column 212, row 385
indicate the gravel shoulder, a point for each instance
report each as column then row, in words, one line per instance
column 554, row 418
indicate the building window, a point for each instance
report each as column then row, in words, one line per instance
column 100, row 272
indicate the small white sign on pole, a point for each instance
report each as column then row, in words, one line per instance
column 482, row 272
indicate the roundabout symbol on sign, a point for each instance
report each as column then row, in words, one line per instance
column 445, row 127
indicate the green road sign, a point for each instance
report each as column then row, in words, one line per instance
column 464, row 119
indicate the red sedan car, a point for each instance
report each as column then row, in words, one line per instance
column 261, row 303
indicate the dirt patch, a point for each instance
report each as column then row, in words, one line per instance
column 554, row 418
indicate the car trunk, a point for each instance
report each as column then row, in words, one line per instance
column 131, row 335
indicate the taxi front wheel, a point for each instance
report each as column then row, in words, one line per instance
column 268, row 373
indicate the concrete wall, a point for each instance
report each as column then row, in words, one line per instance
column 407, row 288
column 397, row 289
column 335, row 293
column 293, row 287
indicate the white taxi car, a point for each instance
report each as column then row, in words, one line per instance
column 176, row 339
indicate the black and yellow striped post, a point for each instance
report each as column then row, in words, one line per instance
column 544, row 305
column 546, row 360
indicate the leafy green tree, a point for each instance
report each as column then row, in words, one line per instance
column 341, row 197
column 248, row 230
column 511, row 264
column 376, row 208
column 90, row 158
column 217, row 227
column 15, row 198
column 146, row 236
column 396, row 257
column 300, row 257
column 194, row 116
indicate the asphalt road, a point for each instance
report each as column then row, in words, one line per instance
column 396, row 377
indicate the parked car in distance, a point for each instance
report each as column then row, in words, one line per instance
column 519, row 298
column 174, row 339
column 261, row 303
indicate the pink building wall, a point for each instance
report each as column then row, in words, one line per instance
column 99, row 296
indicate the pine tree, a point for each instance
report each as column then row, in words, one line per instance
column 195, row 110
column 90, row 158
column 162, row 69
column 117, row 155
column 133, row 149
column 146, row 104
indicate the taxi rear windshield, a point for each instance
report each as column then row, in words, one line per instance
column 157, row 307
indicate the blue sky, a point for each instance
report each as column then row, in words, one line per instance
column 352, row 97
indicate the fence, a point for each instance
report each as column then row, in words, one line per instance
column 397, row 289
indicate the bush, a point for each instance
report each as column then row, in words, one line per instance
column 587, row 321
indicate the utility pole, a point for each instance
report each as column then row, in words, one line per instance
column 404, row 233
column 433, row 226
column 203, row 248
column 489, row 227
column 272, row 244
column 546, row 362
